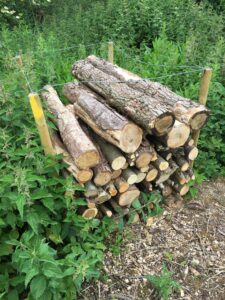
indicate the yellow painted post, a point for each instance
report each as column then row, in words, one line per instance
column 39, row 117
column 203, row 94
column 110, row 52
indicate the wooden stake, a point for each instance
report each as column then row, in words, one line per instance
column 203, row 93
column 39, row 117
column 110, row 52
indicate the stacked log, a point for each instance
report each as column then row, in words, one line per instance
column 121, row 135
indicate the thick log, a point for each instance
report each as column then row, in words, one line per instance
column 140, row 175
column 181, row 189
column 81, row 176
column 185, row 110
column 79, row 146
column 145, row 169
column 129, row 176
column 111, row 153
column 128, row 197
column 121, row 184
column 88, row 213
column 148, row 112
column 105, row 121
column 152, row 174
column 177, row 136
column 179, row 177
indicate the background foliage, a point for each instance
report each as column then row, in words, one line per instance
column 46, row 249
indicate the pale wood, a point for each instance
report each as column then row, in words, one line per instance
column 181, row 189
column 166, row 174
column 116, row 173
column 105, row 210
column 177, row 136
column 181, row 162
column 191, row 152
column 140, row 175
column 106, row 122
column 145, row 169
column 79, row 146
column 146, row 111
column 129, row 175
column 144, row 154
column 102, row 197
column 121, row 184
column 81, row 176
column 111, row 189
column 160, row 163
column 41, row 124
column 152, row 174
column 90, row 213
column 91, row 190
column 129, row 196
column 185, row 110
column 179, row 177
column 113, row 155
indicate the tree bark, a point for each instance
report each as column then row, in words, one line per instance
column 81, row 176
column 150, row 113
column 129, row 176
column 79, row 146
column 185, row 110
column 105, row 121
column 144, row 154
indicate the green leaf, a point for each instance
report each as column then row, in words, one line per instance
column 50, row 270
column 2, row 222
column 13, row 295
column 33, row 220
column 33, row 272
column 20, row 202
column 38, row 286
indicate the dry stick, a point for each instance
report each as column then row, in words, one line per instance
column 78, row 144
column 111, row 189
column 105, row 210
column 110, row 52
column 203, row 93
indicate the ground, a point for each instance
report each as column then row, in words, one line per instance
column 189, row 239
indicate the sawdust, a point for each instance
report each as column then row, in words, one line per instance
column 189, row 239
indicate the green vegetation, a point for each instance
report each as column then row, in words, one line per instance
column 46, row 249
column 164, row 284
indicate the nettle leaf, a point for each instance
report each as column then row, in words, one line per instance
column 2, row 222
column 33, row 272
column 38, row 286
column 40, row 195
column 13, row 295
column 20, row 202
column 51, row 270
column 33, row 219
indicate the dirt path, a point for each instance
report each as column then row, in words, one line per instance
column 189, row 239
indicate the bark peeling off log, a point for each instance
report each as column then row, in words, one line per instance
column 105, row 121
column 185, row 110
column 144, row 110
column 80, row 147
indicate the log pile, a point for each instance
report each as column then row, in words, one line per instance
column 121, row 135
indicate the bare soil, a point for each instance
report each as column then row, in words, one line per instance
column 189, row 239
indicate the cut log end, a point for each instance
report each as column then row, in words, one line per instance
column 151, row 175
column 84, row 176
column 184, row 190
column 88, row 159
column 128, row 197
column 164, row 123
column 143, row 160
column 118, row 163
column 193, row 153
column 178, row 135
column 199, row 120
column 131, row 138
column 102, row 178
column 90, row 213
